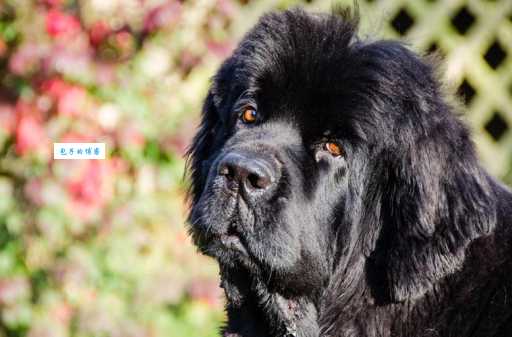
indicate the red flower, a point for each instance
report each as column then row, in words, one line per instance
column 98, row 32
column 71, row 100
column 61, row 24
column 30, row 133
column 54, row 87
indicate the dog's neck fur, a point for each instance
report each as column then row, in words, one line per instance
column 255, row 310
column 350, row 307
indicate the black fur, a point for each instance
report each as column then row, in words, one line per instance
column 403, row 235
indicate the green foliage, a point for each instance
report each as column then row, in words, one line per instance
column 99, row 248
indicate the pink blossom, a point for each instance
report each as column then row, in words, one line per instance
column 7, row 118
column 30, row 133
column 91, row 189
column 70, row 98
column 62, row 312
column 72, row 58
column 61, row 24
column 166, row 14
column 130, row 136
column 72, row 101
column 26, row 59
column 220, row 49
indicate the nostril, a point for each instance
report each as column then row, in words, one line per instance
column 257, row 181
column 251, row 174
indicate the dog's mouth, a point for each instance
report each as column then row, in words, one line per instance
column 228, row 243
column 222, row 236
column 232, row 241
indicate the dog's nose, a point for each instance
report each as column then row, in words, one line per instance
column 251, row 173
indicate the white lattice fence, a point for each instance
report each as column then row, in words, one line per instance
column 475, row 39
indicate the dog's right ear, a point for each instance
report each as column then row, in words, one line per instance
column 201, row 145
column 434, row 197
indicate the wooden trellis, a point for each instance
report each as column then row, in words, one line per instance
column 474, row 38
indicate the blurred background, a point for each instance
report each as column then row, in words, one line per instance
column 100, row 247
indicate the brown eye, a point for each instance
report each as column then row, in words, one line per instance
column 249, row 115
column 334, row 149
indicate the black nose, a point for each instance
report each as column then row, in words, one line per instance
column 251, row 173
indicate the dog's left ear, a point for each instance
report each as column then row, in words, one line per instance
column 435, row 198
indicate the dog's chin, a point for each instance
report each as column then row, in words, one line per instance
column 231, row 253
column 227, row 248
column 232, row 242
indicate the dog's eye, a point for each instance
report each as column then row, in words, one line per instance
column 334, row 149
column 249, row 115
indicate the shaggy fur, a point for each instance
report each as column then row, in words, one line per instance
column 404, row 234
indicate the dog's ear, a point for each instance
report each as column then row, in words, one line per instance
column 435, row 202
column 435, row 198
column 201, row 145
column 210, row 131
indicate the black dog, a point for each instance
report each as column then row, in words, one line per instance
column 340, row 193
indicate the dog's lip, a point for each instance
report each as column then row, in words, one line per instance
column 233, row 242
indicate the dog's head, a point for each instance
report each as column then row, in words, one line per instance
column 317, row 150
